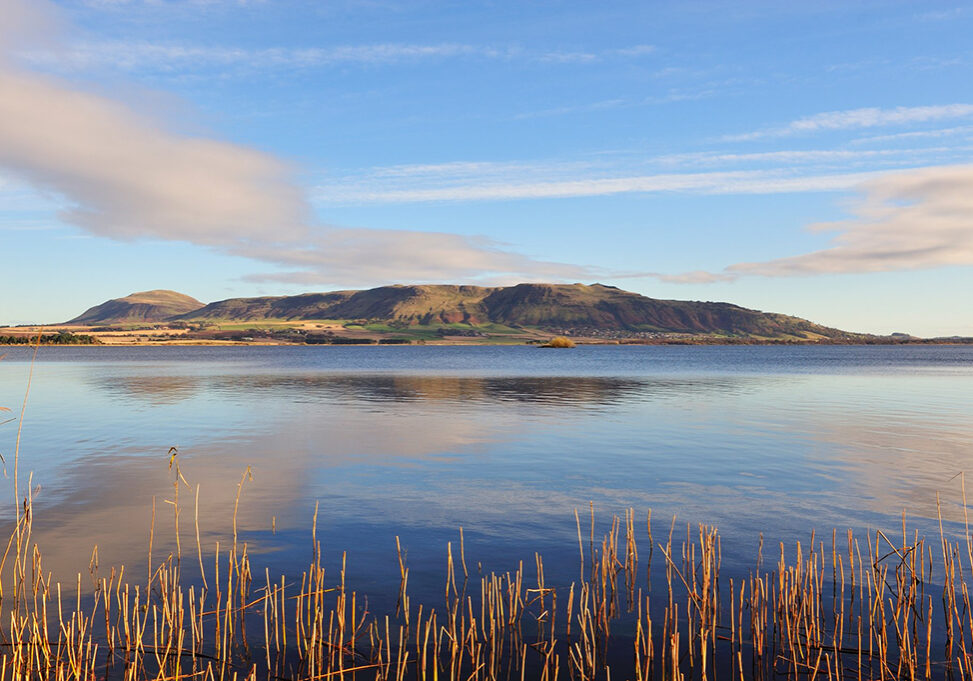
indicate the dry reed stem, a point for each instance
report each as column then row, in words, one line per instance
column 859, row 611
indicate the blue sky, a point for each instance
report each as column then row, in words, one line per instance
column 805, row 158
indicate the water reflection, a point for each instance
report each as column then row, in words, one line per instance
column 506, row 457
column 458, row 390
column 154, row 389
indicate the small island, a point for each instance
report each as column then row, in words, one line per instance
column 559, row 342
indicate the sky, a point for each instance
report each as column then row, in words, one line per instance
column 812, row 159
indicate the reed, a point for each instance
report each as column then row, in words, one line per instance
column 857, row 608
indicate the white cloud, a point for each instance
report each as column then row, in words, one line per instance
column 909, row 220
column 124, row 176
column 129, row 179
column 28, row 23
column 358, row 257
column 860, row 118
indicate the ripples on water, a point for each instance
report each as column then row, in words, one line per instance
column 506, row 442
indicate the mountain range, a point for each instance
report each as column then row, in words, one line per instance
column 571, row 308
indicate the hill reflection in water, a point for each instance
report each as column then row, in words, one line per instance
column 460, row 391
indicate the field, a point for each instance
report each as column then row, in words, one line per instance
column 287, row 332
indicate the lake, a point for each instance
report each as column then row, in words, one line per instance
column 507, row 443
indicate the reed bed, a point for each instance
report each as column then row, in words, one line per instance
column 838, row 607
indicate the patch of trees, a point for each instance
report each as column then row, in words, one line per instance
column 61, row 338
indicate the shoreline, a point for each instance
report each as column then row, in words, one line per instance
column 332, row 333
column 448, row 343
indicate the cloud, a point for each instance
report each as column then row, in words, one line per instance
column 601, row 105
column 635, row 50
column 132, row 56
column 489, row 189
column 125, row 176
column 130, row 179
column 905, row 221
column 411, row 255
column 860, row 118
column 802, row 156
column 625, row 171
column 916, row 134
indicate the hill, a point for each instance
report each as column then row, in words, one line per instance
column 426, row 304
column 576, row 308
column 608, row 307
column 146, row 306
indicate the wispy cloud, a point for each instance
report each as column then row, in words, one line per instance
column 910, row 220
column 670, row 96
column 626, row 171
column 734, row 182
column 807, row 156
column 584, row 57
column 474, row 171
column 602, row 105
column 126, row 177
column 950, row 14
column 132, row 56
column 635, row 50
column 870, row 117
column 796, row 170
column 915, row 135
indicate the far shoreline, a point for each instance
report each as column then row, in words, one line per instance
column 363, row 334
column 458, row 343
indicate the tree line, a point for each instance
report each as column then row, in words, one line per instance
column 60, row 338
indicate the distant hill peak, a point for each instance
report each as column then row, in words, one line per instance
column 145, row 306
column 160, row 296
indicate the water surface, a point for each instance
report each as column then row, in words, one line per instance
column 505, row 442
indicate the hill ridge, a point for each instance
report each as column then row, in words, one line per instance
column 563, row 307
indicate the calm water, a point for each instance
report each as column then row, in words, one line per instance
column 505, row 442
